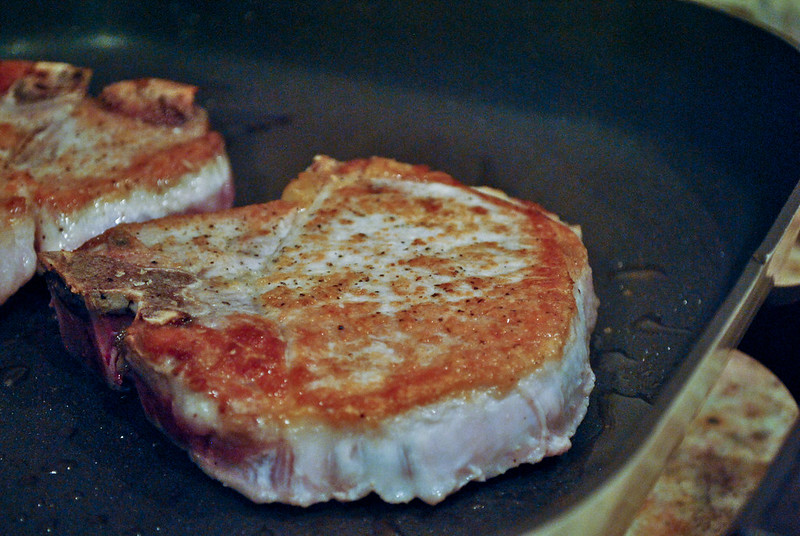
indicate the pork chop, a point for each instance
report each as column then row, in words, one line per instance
column 381, row 328
column 32, row 96
column 72, row 166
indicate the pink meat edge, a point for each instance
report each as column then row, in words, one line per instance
column 91, row 337
column 222, row 200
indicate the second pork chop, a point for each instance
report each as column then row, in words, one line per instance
column 73, row 166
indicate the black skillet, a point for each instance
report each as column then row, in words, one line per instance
column 670, row 132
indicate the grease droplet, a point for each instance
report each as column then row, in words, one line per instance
column 61, row 466
column 624, row 375
column 615, row 356
column 653, row 324
column 646, row 272
column 11, row 376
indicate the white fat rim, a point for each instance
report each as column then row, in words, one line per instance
column 432, row 451
column 68, row 231
column 18, row 261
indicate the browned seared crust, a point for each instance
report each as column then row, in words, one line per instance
column 33, row 81
column 156, row 172
column 11, row 71
column 153, row 100
column 469, row 333
column 9, row 138
column 323, row 170
column 75, row 178
column 13, row 206
column 46, row 91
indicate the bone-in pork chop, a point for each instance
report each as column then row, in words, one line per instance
column 73, row 166
column 381, row 328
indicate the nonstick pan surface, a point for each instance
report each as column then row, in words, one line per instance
column 669, row 132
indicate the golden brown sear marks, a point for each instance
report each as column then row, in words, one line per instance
column 373, row 288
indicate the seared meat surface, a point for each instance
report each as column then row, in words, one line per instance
column 72, row 166
column 381, row 328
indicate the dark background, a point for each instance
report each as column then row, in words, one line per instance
column 667, row 131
